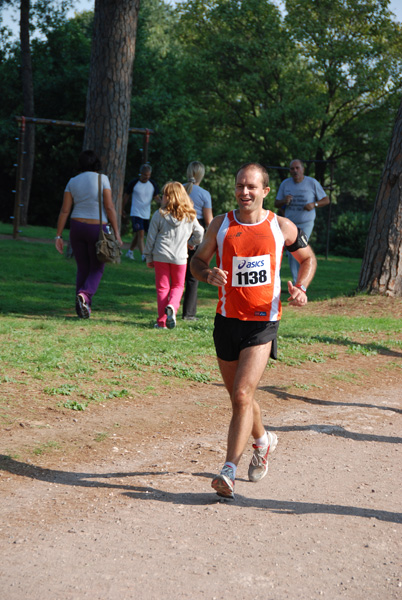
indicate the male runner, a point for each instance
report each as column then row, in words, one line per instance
column 248, row 243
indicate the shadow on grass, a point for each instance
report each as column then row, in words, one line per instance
column 348, row 343
column 141, row 492
column 97, row 319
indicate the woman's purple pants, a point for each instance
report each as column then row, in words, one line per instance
column 83, row 237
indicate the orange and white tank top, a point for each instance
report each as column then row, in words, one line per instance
column 252, row 255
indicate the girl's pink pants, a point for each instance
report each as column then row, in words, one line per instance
column 169, row 282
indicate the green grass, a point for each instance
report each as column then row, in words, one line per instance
column 46, row 447
column 77, row 362
column 39, row 232
column 29, row 231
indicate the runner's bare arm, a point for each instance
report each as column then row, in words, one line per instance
column 200, row 262
column 306, row 258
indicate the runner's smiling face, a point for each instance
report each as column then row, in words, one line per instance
column 249, row 190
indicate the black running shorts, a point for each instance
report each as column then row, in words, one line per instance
column 232, row 335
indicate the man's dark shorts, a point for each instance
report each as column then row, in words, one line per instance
column 232, row 335
column 140, row 224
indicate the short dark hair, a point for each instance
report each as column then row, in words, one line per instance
column 259, row 167
column 145, row 168
column 89, row 161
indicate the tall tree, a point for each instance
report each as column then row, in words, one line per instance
column 48, row 15
column 242, row 99
column 353, row 50
column 381, row 270
column 318, row 84
column 109, row 89
column 28, row 109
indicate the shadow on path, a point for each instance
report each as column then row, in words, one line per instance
column 140, row 492
column 284, row 395
column 340, row 432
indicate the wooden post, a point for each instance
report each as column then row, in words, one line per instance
column 18, row 183
column 146, row 145
column 329, row 207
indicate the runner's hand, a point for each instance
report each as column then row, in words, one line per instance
column 297, row 296
column 217, row 277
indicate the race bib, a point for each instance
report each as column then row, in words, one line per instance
column 251, row 271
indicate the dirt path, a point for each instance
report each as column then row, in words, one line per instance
column 137, row 519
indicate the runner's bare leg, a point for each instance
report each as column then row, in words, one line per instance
column 241, row 378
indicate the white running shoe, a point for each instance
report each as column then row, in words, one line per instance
column 224, row 483
column 171, row 317
column 259, row 463
column 130, row 254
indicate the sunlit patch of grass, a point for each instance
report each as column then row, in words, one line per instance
column 346, row 376
column 301, row 386
column 367, row 350
column 185, row 372
column 101, row 437
column 46, row 447
column 75, row 405
column 66, row 389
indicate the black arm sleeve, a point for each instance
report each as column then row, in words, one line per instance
column 301, row 241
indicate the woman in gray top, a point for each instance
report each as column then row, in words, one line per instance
column 203, row 207
column 81, row 195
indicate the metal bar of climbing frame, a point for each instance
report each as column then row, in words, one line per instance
column 18, row 183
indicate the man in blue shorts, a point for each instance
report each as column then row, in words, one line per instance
column 142, row 190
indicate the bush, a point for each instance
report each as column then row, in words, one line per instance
column 349, row 233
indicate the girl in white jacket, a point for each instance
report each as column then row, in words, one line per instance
column 173, row 229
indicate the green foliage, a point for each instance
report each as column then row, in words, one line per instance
column 222, row 82
column 185, row 372
column 64, row 390
column 74, row 405
column 61, row 66
column 352, row 48
column 46, row 447
column 349, row 233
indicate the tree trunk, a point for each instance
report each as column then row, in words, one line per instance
column 28, row 107
column 381, row 270
column 320, row 166
column 109, row 89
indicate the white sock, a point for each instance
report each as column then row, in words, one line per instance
column 262, row 441
column 232, row 465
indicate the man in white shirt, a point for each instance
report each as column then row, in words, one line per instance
column 142, row 190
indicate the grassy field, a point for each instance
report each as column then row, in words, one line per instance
column 81, row 361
